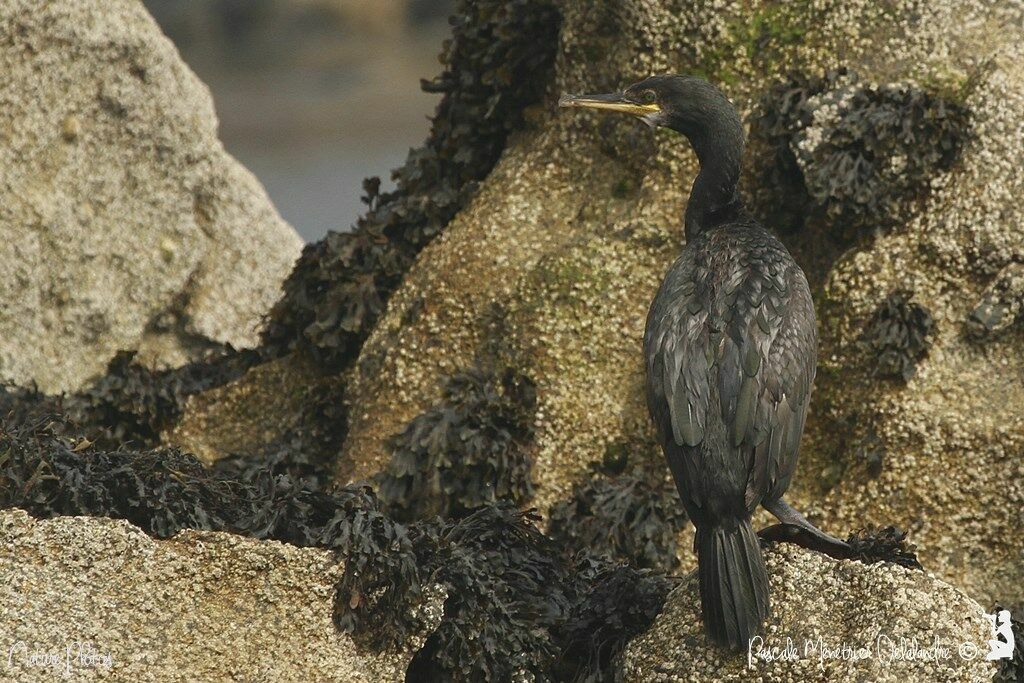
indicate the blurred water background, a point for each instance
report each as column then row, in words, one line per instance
column 314, row 95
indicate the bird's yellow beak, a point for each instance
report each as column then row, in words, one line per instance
column 609, row 102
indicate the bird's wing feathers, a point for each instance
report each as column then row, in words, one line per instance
column 677, row 349
column 756, row 346
column 781, row 334
column 675, row 367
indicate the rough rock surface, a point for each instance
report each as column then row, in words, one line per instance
column 125, row 223
column 572, row 231
column 244, row 415
column 197, row 607
column 879, row 611
column 556, row 260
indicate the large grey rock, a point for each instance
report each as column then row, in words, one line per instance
column 124, row 223
column 897, row 625
column 197, row 607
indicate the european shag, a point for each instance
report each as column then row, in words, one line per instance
column 731, row 350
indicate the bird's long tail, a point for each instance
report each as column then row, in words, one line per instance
column 733, row 583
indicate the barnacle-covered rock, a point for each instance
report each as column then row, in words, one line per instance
column 546, row 267
column 830, row 621
column 569, row 234
column 198, row 606
column 953, row 435
column 126, row 226
column 259, row 408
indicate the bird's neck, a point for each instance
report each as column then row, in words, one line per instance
column 714, row 198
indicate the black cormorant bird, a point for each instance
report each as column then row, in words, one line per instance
column 731, row 350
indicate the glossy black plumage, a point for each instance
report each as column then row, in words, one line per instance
column 730, row 349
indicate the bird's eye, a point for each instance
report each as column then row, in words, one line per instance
column 648, row 97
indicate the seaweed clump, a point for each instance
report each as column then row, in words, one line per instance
column 496, row 63
column 517, row 605
column 130, row 403
column 630, row 518
column 899, row 335
column 519, row 608
column 468, row 450
column 621, row 602
column 49, row 470
column 886, row 544
column 851, row 156
column 1001, row 304
column 508, row 589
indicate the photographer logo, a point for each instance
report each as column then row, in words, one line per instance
column 1002, row 643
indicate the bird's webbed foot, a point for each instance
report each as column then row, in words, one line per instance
column 795, row 528
column 818, row 542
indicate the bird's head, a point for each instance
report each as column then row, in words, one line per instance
column 686, row 104
column 700, row 111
